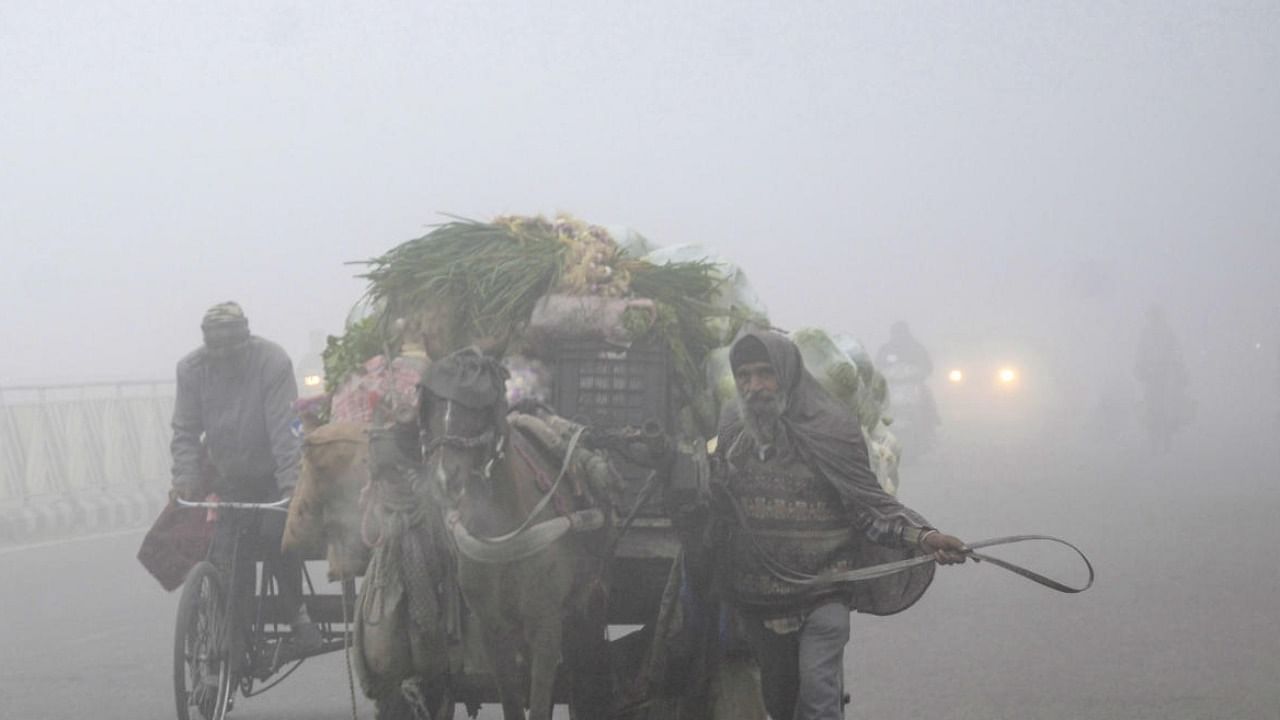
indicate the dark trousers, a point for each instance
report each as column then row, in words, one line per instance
column 802, row 672
column 262, row 532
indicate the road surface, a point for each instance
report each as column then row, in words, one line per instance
column 1184, row 621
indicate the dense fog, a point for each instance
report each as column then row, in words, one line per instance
column 1025, row 185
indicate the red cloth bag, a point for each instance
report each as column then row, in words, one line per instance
column 179, row 538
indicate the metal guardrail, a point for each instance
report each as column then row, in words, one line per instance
column 69, row 439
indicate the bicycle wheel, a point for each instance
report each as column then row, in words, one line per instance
column 201, row 671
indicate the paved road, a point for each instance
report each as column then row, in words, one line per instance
column 1184, row 621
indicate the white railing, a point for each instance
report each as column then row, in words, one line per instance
column 67, row 440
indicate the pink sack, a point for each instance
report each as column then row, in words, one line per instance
column 393, row 390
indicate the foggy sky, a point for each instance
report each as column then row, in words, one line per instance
column 994, row 169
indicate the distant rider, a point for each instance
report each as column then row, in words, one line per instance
column 1163, row 375
column 904, row 348
column 905, row 360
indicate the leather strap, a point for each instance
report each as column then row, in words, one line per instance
column 547, row 531
column 531, row 541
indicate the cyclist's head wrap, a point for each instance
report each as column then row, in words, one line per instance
column 225, row 326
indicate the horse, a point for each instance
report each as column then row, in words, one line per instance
column 522, row 521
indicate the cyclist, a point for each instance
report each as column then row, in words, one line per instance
column 236, row 392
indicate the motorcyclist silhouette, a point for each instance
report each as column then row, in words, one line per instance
column 1163, row 375
column 906, row 365
column 903, row 347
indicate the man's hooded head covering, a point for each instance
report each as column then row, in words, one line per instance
column 224, row 325
column 813, row 418
column 750, row 349
column 829, row 438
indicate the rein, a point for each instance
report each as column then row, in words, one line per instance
column 527, row 538
column 546, row 499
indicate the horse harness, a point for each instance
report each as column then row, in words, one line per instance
column 529, row 538
column 493, row 440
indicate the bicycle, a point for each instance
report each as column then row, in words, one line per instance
column 233, row 634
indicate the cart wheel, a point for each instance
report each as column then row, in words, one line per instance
column 201, row 673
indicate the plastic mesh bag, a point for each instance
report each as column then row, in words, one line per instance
column 829, row 365
column 630, row 242
column 872, row 390
column 885, row 453
column 720, row 378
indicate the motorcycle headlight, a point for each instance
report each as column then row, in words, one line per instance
column 1007, row 376
column 956, row 376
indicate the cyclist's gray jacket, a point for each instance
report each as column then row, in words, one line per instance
column 244, row 409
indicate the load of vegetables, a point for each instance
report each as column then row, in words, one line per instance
column 501, row 285
column 470, row 283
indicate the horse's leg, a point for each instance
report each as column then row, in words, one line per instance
column 483, row 589
column 506, row 673
column 586, row 655
column 548, row 580
column 544, row 658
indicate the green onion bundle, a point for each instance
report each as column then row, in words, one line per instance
column 476, row 283
column 466, row 280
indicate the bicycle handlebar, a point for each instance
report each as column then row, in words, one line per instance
column 281, row 505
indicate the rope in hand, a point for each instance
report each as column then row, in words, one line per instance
column 798, row 577
column 876, row 571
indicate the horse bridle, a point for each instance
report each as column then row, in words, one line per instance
column 489, row 438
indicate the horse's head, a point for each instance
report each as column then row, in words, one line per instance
column 462, row 411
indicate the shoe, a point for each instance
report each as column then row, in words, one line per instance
column 204, row 696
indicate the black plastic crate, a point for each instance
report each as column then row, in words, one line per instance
column 605, row 386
